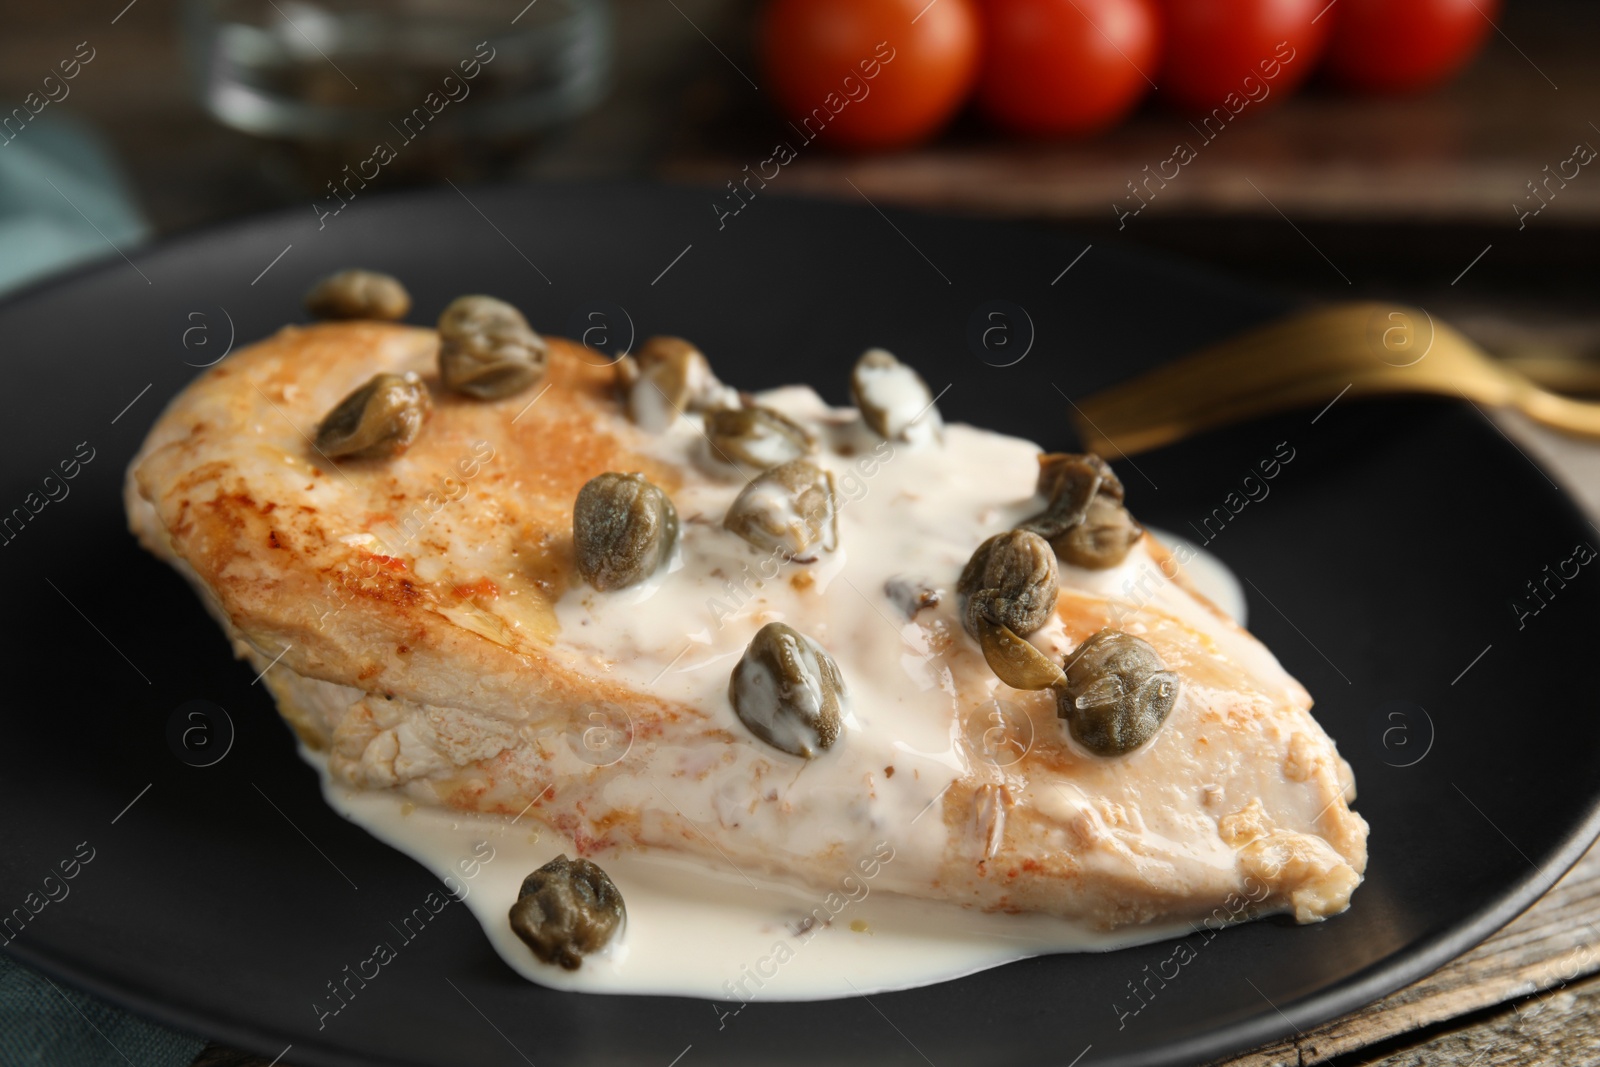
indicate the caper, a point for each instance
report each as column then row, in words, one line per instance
column 1116, row 694
column 1055, row 468
column 756, row 437
column 1068, row 482
column 1102, row 539
column 1011, row 580
column 788, row 691
column 359, row 294
column 381, row 418
column 662, row 348
column 704, row 391
column 893, row 398
column 487, row 350
column 627, row 369
column 1085, row 521
column 623, row 529
column 1014, row 660
column 660, row 390
column 567, row 910
column 667, row 377
column 792, row 508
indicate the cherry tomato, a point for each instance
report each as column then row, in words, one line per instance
column 1399, row 46
column 1238, row 54
column 870, row 73
column 1066, row 66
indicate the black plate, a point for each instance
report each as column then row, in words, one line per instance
column 1381, row 564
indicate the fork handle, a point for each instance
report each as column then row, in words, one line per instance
column 1365, row 349
column 1558, row 412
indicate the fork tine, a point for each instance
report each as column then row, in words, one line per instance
column 1303, row 360
column 1268, row 358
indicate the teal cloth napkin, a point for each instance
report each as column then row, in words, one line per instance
column 46, row 1024
column 63, row 202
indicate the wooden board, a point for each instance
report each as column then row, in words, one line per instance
column 1551, row 945
column 1561, row 1026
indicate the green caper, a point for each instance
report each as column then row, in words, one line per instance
column 893, row 398
column 670, row 376
column 1011, row 580
column 1014, row 660
column 359, row 294
column 1058, row 468
column 1085, row 520
column 1117, row 694
column 661, row 388
column 702, row 391
column 1102, row 539
column 756, row 437
column 623, row 529
column 662, row 348
column 566, row 910
column 789, row 692
column 627, row 375
column 792, row 508
column 487, row 350
column 1068, row 482
column 381, row 418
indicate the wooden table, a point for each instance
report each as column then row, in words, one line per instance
column 1529, row 994
column 1465, row 153
column 1399, row 195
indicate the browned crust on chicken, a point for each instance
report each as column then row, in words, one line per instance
column 372, row 655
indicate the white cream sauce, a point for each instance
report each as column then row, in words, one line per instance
column 1209, row 574
column 700, row 932
column 915, row 510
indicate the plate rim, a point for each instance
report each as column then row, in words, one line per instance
column 1365, row 987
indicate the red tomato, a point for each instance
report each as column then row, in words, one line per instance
column 1258, row 51
column 1398, row 46
column 870, row 73
column 1066, row 66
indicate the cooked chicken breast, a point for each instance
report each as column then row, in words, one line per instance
column 420, row 620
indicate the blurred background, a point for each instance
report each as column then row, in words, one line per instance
column 185, row 114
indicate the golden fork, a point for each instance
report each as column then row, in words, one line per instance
column 1310, row 359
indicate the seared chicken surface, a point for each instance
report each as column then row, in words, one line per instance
column 421, row 619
